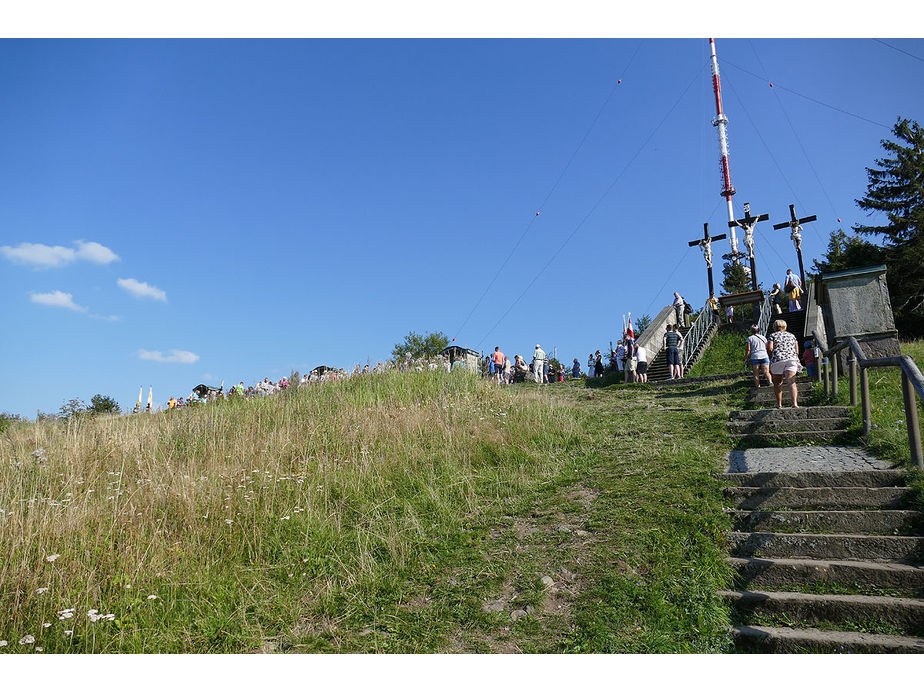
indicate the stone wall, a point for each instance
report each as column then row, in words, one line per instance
column 653, row 335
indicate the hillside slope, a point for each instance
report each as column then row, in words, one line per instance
column 415, row 512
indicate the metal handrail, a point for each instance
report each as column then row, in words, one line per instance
column 697, row 333
column 912, row 383
column 766, row 310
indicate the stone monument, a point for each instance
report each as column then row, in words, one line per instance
column 855, row 303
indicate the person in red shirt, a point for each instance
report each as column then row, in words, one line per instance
column 498, row 358
column 808, row 358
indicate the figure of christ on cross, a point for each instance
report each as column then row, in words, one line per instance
column 705, row 244
column 748, row 224
column 795, row 226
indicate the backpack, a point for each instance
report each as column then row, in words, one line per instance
column 687, row 309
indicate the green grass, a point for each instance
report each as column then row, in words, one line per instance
column 381, row 514
column 725, row 354
column 889, row 435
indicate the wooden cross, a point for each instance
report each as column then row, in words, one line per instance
column 705, row 244
column 748, row 224
column 795, row 225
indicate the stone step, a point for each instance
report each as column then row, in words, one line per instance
column 901, row 522
column 774, row 439
column 766, row 395
column 790, row 413
column 782, row 640
column 801, row 386
column 826, row 546
column 801, row 425
column 905, row 613
column 856, row 575
column 818, row 498
column 868, row 478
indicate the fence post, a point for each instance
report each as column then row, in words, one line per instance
column 834, row 376
column 824, row 372
column 911, row 420
column 853, row 380
column 865, row 404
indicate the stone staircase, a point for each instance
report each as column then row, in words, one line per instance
column 789, row 425
column 658, row 368
column 825, row 562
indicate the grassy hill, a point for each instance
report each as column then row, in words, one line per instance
column 414, row 512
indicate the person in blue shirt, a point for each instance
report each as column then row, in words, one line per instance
column 576, row 369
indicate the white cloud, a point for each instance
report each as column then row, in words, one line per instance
column 175, row 356
column 108, row 318
column 142, row 289
column 39, row 255
column 58, row 299
column 94, row 252
column 42, row 256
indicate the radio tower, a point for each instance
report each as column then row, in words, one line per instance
column 720, row 122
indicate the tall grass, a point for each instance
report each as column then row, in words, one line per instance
column 214, row 529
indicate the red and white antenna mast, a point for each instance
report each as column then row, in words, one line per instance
column 720, row 122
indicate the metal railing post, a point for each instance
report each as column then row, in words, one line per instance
column 865, row 404
column 834, row 377
column 911, row 420
column 824, row 372
column 853, row 380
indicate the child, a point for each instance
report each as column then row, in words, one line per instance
column 808, row 358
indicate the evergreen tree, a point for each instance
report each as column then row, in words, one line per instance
column 848, row 252
column 896, row 188
column 736, row 279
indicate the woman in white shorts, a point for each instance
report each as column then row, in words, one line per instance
column 784, row 362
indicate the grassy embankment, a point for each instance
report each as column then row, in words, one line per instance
column 725, row 354
column 889, row 435
column 393, row 513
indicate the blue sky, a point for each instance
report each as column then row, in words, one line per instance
column 180, row 211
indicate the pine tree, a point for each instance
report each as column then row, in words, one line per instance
column 896, row 188
column 736, row 279
column 848, row 252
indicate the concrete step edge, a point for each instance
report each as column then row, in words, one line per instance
column 769, row 595
column 870, row 522
column 826, row 546
column 810, row 637
column 884, row 478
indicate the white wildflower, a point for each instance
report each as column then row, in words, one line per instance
column 65, row 614
column 3, row 643
column 128, row 587
column 228, row 521
column 152, row 596
column 41, row 590
column 46, row 625
column 68, row 632
column 27, row 640
column 285, row 517
column 39, row 649
column 93, row 615
column 53, row 557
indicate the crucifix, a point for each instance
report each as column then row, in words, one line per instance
column 705, row 244
column 795, row 225
column 748, row 224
